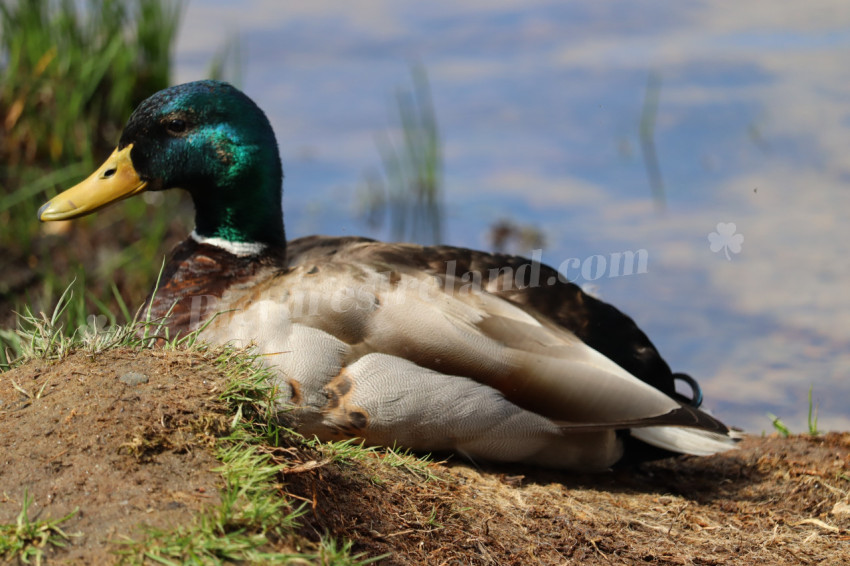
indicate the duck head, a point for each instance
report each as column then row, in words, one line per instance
column 206, row 137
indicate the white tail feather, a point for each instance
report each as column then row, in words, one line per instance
column 686, row 440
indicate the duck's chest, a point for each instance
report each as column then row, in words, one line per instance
column 190, row 288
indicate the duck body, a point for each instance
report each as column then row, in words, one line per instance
column 436, row 348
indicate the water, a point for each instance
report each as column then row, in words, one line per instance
column 539, row 106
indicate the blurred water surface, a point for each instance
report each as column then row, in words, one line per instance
column 539, row 105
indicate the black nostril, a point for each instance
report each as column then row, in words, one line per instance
column 109, row 172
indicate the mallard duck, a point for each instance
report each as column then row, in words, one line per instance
column 437, row 348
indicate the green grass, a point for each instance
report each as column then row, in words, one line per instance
column 353, row 450
column 253, row 515
column 68, row 327
column 250, row 516
column 811, row 421
column 414, row 464
column 26, row 540
column 779, row 426
column 73, row 72
column 409, row 195
column 332, row 553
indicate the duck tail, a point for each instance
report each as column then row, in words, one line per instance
column 685, row 440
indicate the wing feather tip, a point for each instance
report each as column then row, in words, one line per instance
column 691, row 441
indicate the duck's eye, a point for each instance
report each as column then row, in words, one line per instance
column 176, row 126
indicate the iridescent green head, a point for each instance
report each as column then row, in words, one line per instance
column 206, row 137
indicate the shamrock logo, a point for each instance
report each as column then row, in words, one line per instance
column 726, row 239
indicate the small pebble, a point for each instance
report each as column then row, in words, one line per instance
column 134, row 378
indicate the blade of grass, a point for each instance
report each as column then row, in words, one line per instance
column 813, row 415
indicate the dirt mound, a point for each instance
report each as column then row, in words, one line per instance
column 126, row 438
column 123, row 439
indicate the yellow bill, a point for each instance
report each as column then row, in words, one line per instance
column 116, row 179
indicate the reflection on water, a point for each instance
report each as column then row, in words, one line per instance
column 539, row 106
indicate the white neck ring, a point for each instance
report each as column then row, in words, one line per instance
column 241, row 249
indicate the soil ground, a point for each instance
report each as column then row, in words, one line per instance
column 126, row 451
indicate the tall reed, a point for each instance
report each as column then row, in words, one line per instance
column 72, row 73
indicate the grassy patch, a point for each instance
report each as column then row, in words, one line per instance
column 255, row 519
column 251, row 518
column 27, row 540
